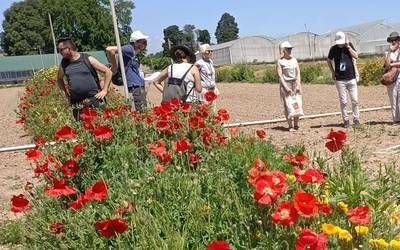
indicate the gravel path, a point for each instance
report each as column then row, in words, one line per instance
column 245, row 102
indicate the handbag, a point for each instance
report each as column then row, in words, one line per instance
column 294, row 105
column 391, row 75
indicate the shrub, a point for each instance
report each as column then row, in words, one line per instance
column 371, row 71
column 310, row 74
column 270, row 76
column 236, row 73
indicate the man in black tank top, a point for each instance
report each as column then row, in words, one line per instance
column 82, row 87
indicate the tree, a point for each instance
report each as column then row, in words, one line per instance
column 27, row 29
column 204, row 37
column 227, row 29
column 172, row 37
column 189, row 36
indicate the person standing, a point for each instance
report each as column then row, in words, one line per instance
column 130, row 51
column 180, row 80
column 207, row 72
column 341, row 63
column 290, row 81
column 83, row 86
column 392, row 60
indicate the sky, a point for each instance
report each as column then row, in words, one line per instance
column 254, row 17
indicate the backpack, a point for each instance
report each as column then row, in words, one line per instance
column 90, row 67
column 176, row 87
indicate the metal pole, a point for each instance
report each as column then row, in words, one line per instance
column 54, row 41
column 117, row 40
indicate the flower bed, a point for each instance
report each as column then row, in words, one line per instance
column 171, row 179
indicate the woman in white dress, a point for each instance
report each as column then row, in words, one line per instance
column 289, row 76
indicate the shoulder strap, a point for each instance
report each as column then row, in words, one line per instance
column 91, row 69
column 398, row 56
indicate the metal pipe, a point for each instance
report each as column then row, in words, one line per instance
column 243, row 124
column 23, row 147
column 117, row 40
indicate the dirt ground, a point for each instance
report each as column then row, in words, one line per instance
column 245, row 102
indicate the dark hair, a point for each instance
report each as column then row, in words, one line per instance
column 180, row 55
column 68, row 41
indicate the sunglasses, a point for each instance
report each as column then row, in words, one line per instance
column 393, row 40
column 60, row 50
column 209, row 51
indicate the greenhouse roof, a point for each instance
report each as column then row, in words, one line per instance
column 35, row 62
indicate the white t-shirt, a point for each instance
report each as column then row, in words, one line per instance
column 289, row 68
column 393, row 58
column 207, row 73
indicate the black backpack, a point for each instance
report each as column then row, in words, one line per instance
column 176, row 87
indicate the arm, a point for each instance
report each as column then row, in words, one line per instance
column 330, row 65
column 282, row 80
column 111, row 51
column 197, row 80
column 107, row 76
column 387, row 64
column 60, row 81
column 160, row 79
column 298, row 79
column 352, row 51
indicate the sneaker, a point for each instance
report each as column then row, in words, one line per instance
column 296, row 127
column 357, row 123
column 291, row 129
column 346, row 124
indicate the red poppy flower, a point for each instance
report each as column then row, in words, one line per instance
column 112, row 227
column 88, row 125
column 234, row 131
column 159, row 168
column 164, row 157
column 88, row 113
column 219, row 245
column 220, row 139
column 78, row 150
column 103, row 133
column 269, row 187
column 325, row 208
column 223, row 114
column 261, row 133
column 258, row 168
column 57, row 228
column 33, row 154
column 162, row 125
column 285, row 214
column 359, row 215
column 59, row 188
column 197, row 122
column 194, row 159
column 40, row 141
column 19, row 203
column 182, row 145
column 336, row 140
column 202, row 110
column 97, row 192
column 309, row 176
column 41, row 169
column 311, row 241
column 65, row 133
column 305, row 203
column 297, row 160
column 210, row 96
column 80, row 201
column 186, row 107
column 70, row 168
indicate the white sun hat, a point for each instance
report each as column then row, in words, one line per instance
column 286, row 44
column 340, row 38
column 138, row 35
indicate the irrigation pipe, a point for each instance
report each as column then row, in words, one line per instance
column 241, row 124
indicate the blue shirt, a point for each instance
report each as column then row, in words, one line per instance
column 132, row 70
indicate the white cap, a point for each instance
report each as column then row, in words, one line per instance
column 204, row 47
column 137, row 35
column 286, row 44
column 340, row 38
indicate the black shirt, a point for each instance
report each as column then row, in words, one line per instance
column 344, row 66
column 81, row 83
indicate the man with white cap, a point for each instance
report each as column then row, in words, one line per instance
column 130, row 51
column 341, row 63
column 207, row 71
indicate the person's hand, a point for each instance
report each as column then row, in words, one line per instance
column 298, row 88
column 101, row 94
column 289, row 92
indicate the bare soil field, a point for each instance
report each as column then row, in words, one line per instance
column 245, row 102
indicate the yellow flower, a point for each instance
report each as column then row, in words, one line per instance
column 205, row 208
column 343, row 206
column 395, row 244
column 329, row 229
column 361, row 230
column 345, row 235
column 291, row 177
column 382, row 243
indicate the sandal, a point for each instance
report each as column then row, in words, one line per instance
column 296, row 127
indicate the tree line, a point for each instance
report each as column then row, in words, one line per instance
column 27, row 29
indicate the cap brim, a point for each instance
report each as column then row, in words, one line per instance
column 389, row 39
column 340, row 41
